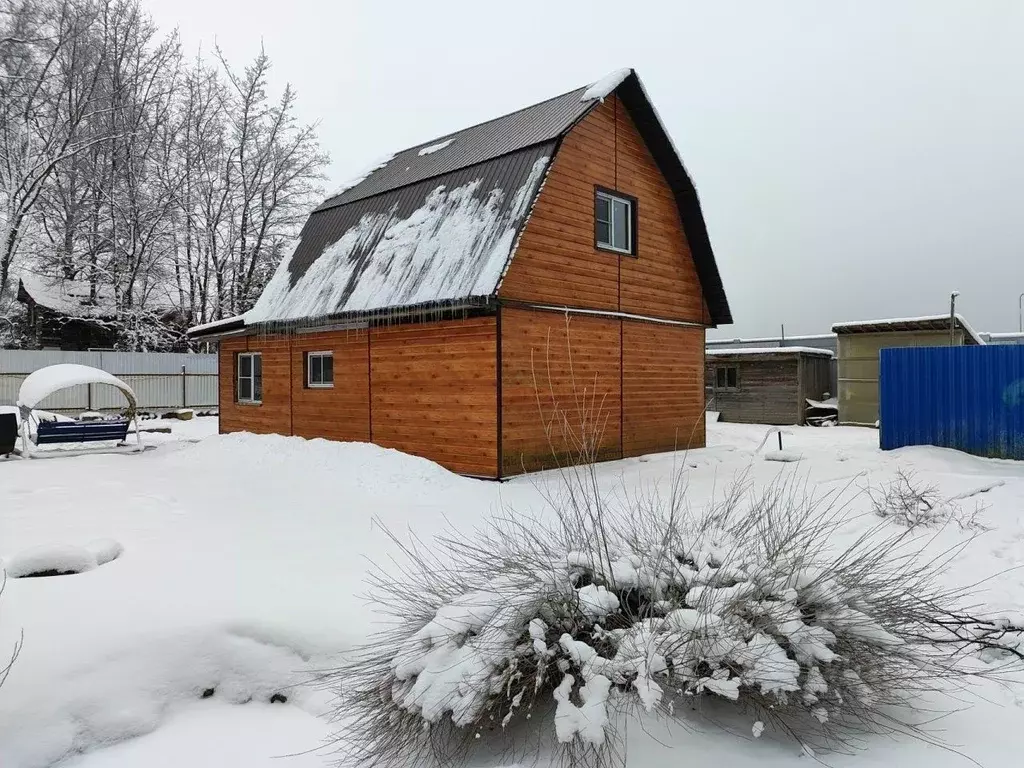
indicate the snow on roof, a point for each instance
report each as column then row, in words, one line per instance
column 927, row 322
column 74, row 297
column 603, row 87
column 213, row 325
column 42, row 383
column 772, row 339
column 435, row 147
column 454, row 246
column 362, row 176
column 743, row 351
column 1004, row 336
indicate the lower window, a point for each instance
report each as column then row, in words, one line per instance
column 319, row 369
column 249, row 383
column 727, row 378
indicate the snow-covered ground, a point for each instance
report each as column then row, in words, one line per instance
column 242, row 568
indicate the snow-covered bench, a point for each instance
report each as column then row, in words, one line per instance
column 48, row 432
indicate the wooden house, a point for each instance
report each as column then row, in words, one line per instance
column 859, row 345
column 471, row 294
column 766, row 385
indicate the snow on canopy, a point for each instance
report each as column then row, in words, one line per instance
column 44, row 382
column 603, row 87
column 452, row 246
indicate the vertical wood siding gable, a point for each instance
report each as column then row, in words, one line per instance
column 557, row 261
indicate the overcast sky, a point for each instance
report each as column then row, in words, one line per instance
column 854, row 160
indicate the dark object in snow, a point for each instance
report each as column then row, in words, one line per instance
column 147, row 430
column 278, row 698
column 81, row 431
column 50, row 572
column 8, row 433
column 183, row 414
column 208, row 693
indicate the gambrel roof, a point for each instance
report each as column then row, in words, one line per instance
column 436, row 225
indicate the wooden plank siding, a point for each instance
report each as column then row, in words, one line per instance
column 341, row 412
column 557, row 261
column 560, row 383
column 434, row 392
column 767, row 392
column 273, row 415
column 662, row 387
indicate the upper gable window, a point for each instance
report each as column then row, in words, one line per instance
column 615, row 217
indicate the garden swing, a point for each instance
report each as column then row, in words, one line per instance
column 45, row 382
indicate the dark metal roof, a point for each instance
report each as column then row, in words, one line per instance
column 528, row 126
column 442, row 240
column 368, row 274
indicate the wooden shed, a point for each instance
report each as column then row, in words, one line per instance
column 465, row 298
column 859, row 344
column 766, row 385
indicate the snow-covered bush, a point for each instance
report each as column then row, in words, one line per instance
column 912, row 503
column 745, row 602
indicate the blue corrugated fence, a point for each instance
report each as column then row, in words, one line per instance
column 968, row 398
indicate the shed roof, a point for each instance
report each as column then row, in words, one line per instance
column 437, row 224
column 909, row 325
column 769, row 352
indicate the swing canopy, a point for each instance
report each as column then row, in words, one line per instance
column 44, row 382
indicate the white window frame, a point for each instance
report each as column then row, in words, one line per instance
column 310, row 384
column 252, row 399
column 614, row 200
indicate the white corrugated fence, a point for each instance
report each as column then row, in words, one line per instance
column 162, row 381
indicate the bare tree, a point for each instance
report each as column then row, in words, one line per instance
column 48, row 77
column 170, row 191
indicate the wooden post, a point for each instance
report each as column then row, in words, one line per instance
column 184, row 388
column 779, row 433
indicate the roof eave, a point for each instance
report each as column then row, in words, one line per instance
column 648, row 122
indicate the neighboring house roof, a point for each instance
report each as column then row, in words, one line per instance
column 72, row 298
column 437, row 224
column 769, row 351
column 909, row 325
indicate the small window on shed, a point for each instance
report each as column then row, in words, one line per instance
column 727, row 377
column 249, row 381
column 615, row 222
column 319, row 370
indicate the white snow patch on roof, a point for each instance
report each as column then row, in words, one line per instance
column 742, row 351
column 453, row 247
column 603, row 87
column 362, row 176
column 42, row 383
column 435, row 147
